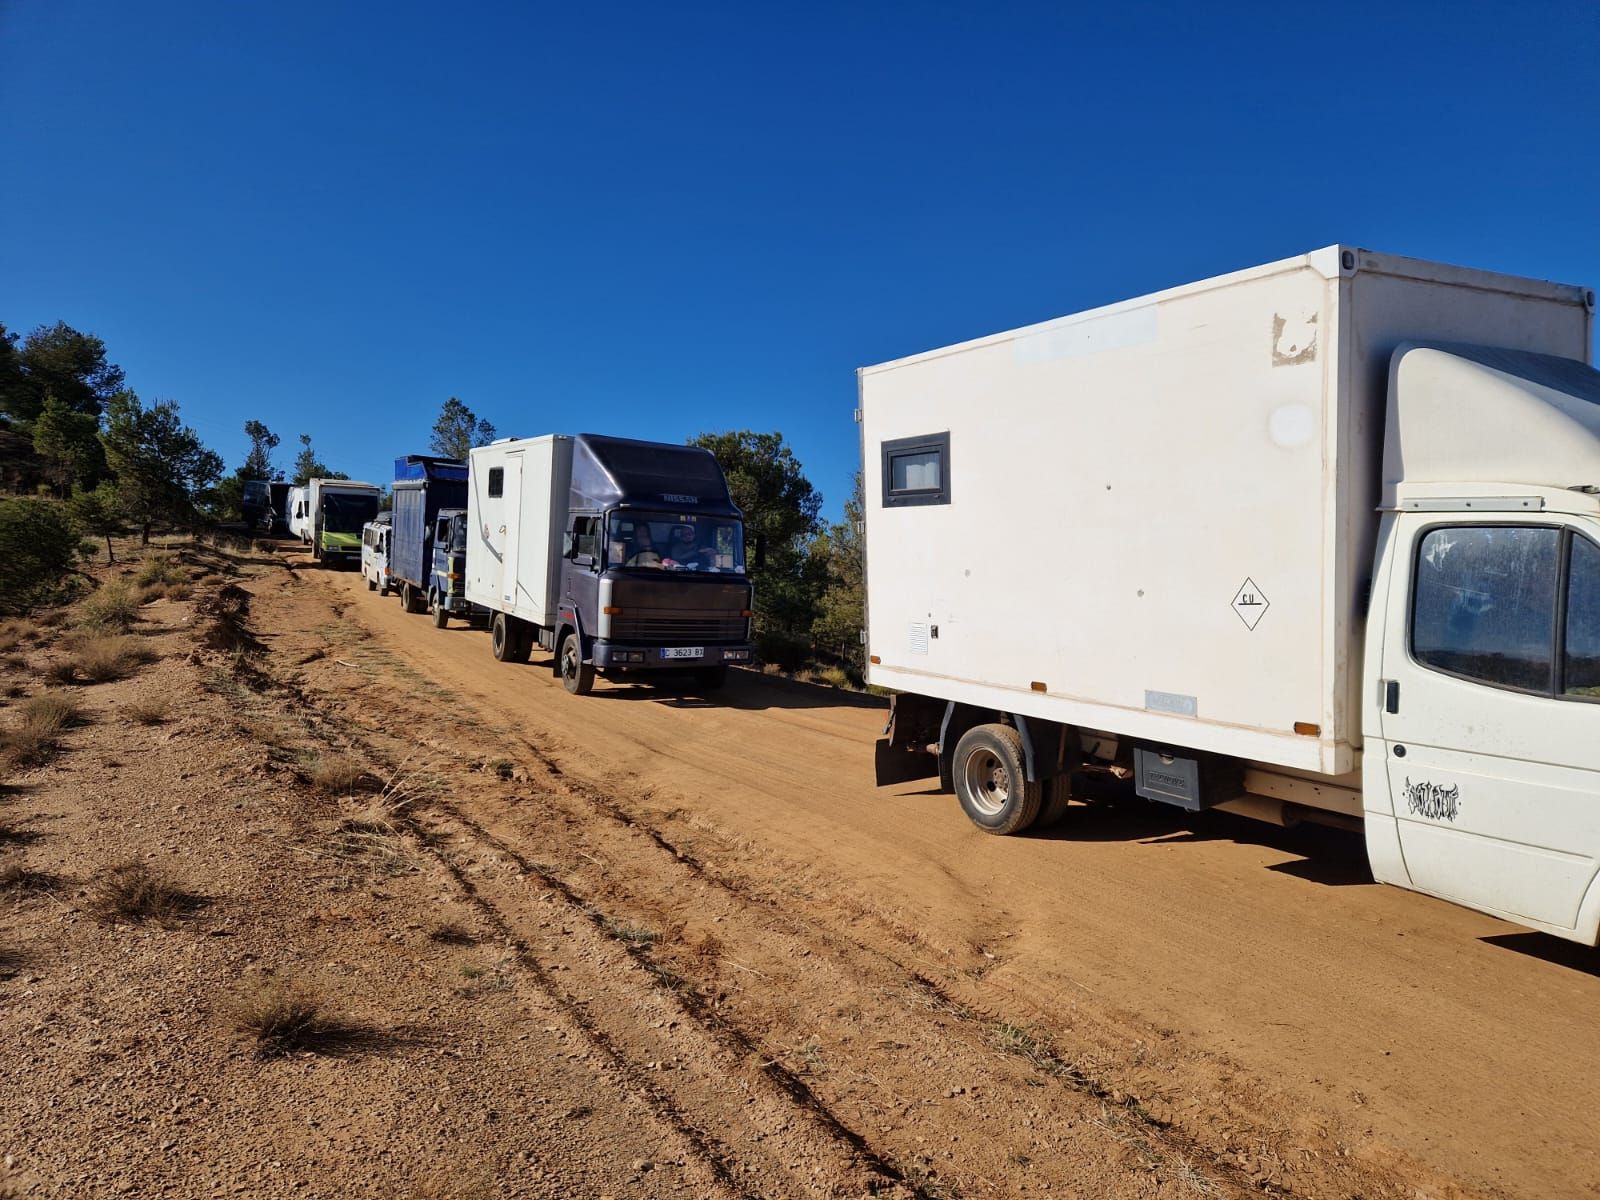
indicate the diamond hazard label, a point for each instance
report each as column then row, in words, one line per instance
column 1250, row 604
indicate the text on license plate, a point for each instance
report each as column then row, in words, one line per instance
column 683, row 652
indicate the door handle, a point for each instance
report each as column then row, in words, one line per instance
column 1391, row 695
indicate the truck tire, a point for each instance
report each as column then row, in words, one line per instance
column 991, row 783
column 408, row 599
column 507, row 639
column 577, row 676
column 709, row 679
column 437, row 611
column 372, row 584
column 1057, row 798
column 383, row 588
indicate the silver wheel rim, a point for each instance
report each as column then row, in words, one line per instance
column 569, row 661
column 988, row 782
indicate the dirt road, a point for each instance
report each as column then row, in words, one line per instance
column 645, row 944
column 1276, row 1013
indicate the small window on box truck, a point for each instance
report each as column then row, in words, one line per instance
column 916, row 470
column 497, row 481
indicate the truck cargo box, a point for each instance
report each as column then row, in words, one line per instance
column 1156, row 518
column 516, row 516
column 423, row 484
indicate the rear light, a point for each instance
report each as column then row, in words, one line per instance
column 611, row 610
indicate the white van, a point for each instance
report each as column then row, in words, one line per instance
column 299, row 513
column 375, row 538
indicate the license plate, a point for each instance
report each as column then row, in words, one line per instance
column 683, row 652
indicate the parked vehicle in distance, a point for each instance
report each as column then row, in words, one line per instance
column 625, row 558
column 279, row 489
column 428, row 562
column 338, row 508
column 1314, row 541
column 299, row 513
column 376, row 535
column 255, row 504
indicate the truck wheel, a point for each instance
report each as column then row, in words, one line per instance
column 436, row 610
column 990, row 781
column 709, row 679
column 372, row 584
column 383, row 588
column 577, row 676
column 1057, row 798
column 408, row 598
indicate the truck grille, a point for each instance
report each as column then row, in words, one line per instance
column 679, row 630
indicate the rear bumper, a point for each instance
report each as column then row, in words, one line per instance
column 631, row 656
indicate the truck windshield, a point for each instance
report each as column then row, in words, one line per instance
column 675, row 542
column 347, row 514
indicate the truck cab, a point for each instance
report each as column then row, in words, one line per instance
column 447, row 542
column 1481, row 721
column 653, row 566
column 625, row 558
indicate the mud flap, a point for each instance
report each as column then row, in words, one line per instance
column 902, row 753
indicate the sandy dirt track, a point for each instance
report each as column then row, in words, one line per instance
column 1253, row 977
column 649, row 943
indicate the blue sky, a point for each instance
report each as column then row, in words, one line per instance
column 652, row 220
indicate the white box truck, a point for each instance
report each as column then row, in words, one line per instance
column 1318, row 540
column 624, row 557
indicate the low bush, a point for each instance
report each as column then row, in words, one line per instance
column 151, row 710
column 114, row 608
column 108, row 658
column 132, row 892
column 34, row 739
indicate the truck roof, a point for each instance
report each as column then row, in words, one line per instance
column 1330, row 261
column 611, row 471
column 428, row 466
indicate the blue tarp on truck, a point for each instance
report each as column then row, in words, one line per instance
column 423, row 485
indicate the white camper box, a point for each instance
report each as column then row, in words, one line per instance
column 516, row 516
column 1157, row 518
column 299, row 515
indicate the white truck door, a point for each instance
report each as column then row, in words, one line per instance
column 1489, row 710
column 510, row 531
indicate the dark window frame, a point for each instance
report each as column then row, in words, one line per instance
column 902, row 447
column 1558, row 648
column 497, row 482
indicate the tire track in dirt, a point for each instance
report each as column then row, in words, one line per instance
column 593, row 799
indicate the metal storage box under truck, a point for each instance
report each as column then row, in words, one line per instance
column 1318, row 540
column 625, row 558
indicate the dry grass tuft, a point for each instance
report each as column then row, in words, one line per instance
column 17, row 633
column 114, row 608
column 285, row 1018
column 132, row 892
column 107, row 658
column 282, row 1017
column 331, row 777
column 18, row 878
column 152, row 710
column 451, row 934
column 160, row 569
column 33, row 740
column 49, row 713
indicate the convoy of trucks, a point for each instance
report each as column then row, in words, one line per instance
column 1314, row 541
